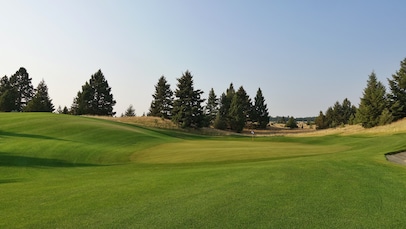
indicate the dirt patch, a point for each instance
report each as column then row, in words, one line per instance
column 399, row 158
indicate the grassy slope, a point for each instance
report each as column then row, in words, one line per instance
column 69, row 172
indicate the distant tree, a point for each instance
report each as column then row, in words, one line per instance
column 59, row 110
column 130, row 112
column 330, row 118
column 239, row 110
column 162, row 104
column 260, row 113
column 21, row 82
column 397, row 95
column 8, row 96
column 220, row 122
column 338, row 114
column 292, row 124
column 212, row 107
column 230, row 92
column 187, row 109
column 348, row 111
column 373, row 103
column 41, row 102
column 95, row 98
column 65, row 110
column 321, row 122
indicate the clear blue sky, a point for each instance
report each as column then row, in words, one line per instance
column 304, row 55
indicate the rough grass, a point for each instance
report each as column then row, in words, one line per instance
column 60, row 171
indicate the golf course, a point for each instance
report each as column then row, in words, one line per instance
column 65, row 171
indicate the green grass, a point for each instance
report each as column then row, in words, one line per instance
column 60, row 171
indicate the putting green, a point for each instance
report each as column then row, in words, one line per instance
column 216, row 151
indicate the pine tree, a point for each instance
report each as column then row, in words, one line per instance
column 95, row 98
column 230, row 92
column 330, row 118
column 292, row 124
column 397, row 96
column 65, row 110
column 373, row 103
column 130, row 112
column 321, row 122
column 212, row 107
column 239, row 110
column 41, row 101
column 187, row 109
column 220, row 122
column 21, row 82
column 162, row 104
column 8, row 96
column 260, row 113
column 348, row 111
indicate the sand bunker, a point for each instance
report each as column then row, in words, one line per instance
column 399, row 158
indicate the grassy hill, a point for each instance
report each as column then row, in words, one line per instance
column 59, row 171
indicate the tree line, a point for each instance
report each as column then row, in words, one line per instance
column 377, row 106
column 18, row 94
column 233, row 110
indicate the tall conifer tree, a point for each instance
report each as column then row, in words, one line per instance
column 372, row 103
column 220, row 122
column 260, row 113
column 239, row 110
column 41, row 102
column 187, row 109
column 95, row 98
column 8, row 95
column 21, row 82
column 162, row 104
column 212, row 108
column 397, row 96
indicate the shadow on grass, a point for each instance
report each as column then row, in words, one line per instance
column 25, row 161
column 8, row 181
column 21, row 135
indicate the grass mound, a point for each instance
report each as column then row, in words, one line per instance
column 41, row 138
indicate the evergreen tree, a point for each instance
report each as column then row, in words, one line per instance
column 41, row 102
column 321, row 122
column 8, row 96
column 130, row 112
column 82, row 102
column 348, row 111
column 65, row 110
column 292, row 124
column 95, row 97
column 59, row 110
column 330, row 117
column 212, row 107
column 239, row 110
column 397, row 96
column 220, row 122
column 22, row 84
column 385, row 118
column 162, row 104
column 260, row 113
column 230, row 92
column 339, row 114
column 187, row 109
column 373, row 103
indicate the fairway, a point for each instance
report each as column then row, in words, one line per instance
column 61, row 171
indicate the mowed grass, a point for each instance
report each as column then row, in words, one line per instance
column 60, row 171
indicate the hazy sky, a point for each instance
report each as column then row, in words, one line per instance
column 304, row 55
